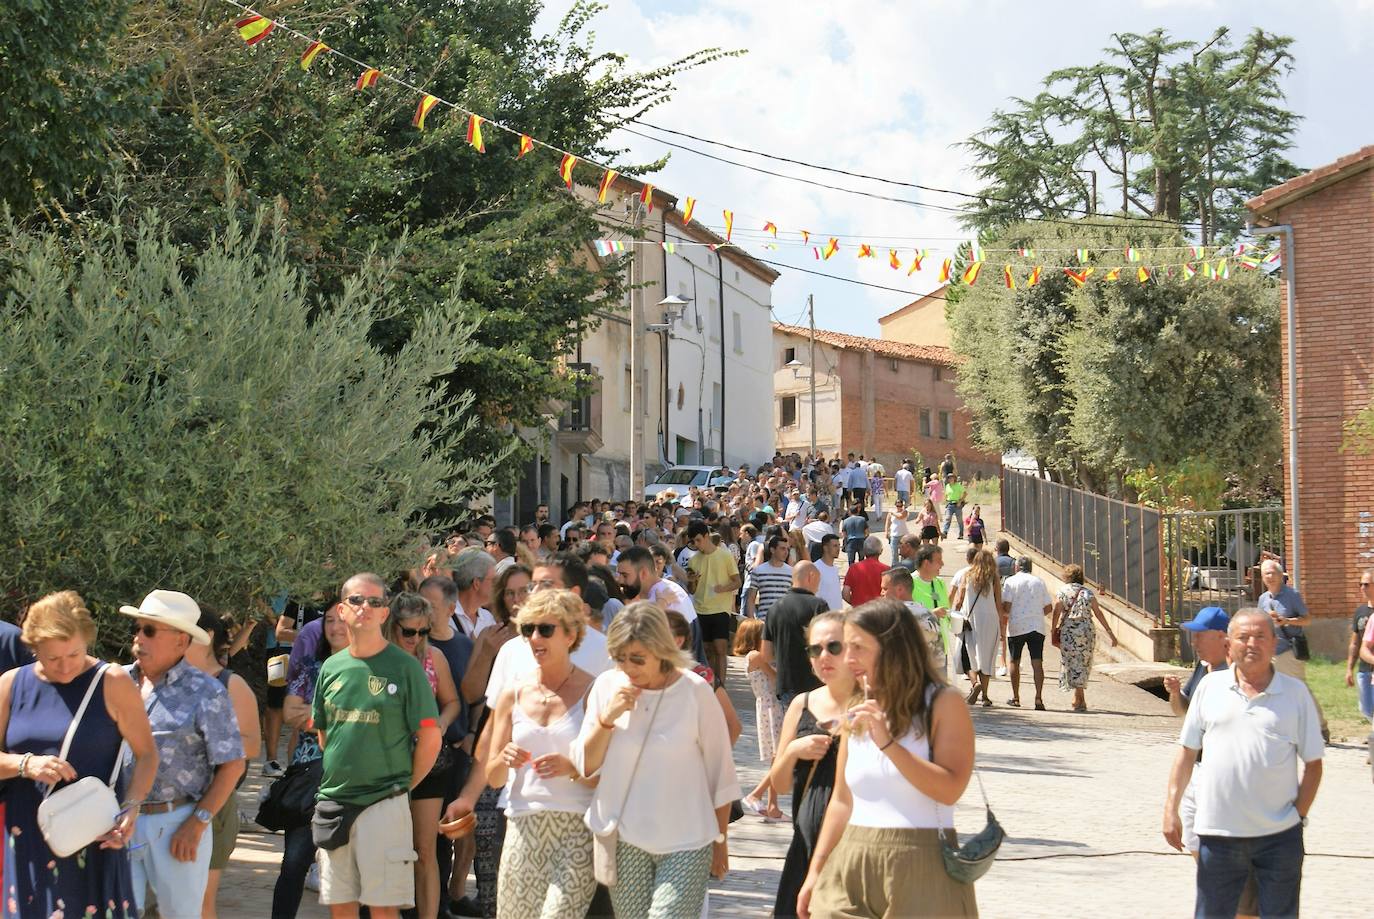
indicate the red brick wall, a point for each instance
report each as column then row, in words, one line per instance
column 1334, row 240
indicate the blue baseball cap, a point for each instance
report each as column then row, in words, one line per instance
column 1208, row 619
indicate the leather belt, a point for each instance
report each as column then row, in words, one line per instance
column 163, row 807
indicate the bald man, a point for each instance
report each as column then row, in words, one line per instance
column 784, row 633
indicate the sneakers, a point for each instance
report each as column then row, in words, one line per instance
column 312, row 878
column 1001, row 671
column 272, row 770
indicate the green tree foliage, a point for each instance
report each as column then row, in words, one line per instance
column 193, row 419
column 352, row 173
column 1105, row 380
column 1180, row 130
column 59, row 98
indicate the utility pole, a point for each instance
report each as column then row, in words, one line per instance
column 636, row 372
column 811, row 313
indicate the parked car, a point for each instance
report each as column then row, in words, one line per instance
column 681, row 478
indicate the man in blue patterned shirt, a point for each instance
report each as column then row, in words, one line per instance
column 200, row 755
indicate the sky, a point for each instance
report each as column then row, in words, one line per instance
column 891, row 88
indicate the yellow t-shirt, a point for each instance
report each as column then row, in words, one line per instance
column 713, row 569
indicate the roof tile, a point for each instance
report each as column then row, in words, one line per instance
column 930, row 354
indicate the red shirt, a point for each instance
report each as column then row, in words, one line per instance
column 865, row 580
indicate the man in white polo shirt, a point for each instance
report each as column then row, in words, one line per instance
column 1251, row 804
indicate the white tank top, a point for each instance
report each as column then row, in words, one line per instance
column 525, row 790
column 882, row 796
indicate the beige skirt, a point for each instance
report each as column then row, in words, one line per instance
column 888, row 873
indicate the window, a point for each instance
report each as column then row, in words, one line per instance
column 894, row 365
column 788, row 356
column 939, row 373
column 925, row 422
column 946, row 426
column 788, row 415
column 713, row 317
column 739, row 334
column 717, row 406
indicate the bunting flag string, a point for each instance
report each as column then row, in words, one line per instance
column 565, row 169
column 944, row 271
column 831, row 247
column 865, row 250
column 971, row 273
column 1113, row 275
column 311, row 53
column 254, row 28
column 729, row 224
column 771, row 227
column 526, row 145
column 606, row 181
column 646, row 197
column 475, row 133
column 1034, row 277
column 893, row 261
column 687, row 209
column 1007, row 278
column 422, row 111
column 368, row 78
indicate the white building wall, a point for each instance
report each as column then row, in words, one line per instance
column 795, row 382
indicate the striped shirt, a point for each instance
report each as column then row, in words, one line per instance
column 771, row 581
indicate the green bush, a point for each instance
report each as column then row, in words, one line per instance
column 195, row 420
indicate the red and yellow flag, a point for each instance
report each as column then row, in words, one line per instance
column 1142, row 274
column 865, row 250
column 892, row 260
column 916, row 260
column 606, row 181
column 1079, row 277
column 806, row 236
column 944, row 270
column 687, row 209
column 526, row 145
column 311, row 53
column 475, row 133
column 422, row 111
column 771, row 227
column 565, row 169
column 254, row 29
column 1114, row 274
column 831, row 248
column 729, row 223
column 646, row 197
column 1034, row 277
column 367, row 79
column 971, row 273
column 1007, row 279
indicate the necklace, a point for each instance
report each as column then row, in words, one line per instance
column 549, row 696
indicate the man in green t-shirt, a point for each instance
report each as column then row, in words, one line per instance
column 379, row 729
column 954, row 504
column 717, row 581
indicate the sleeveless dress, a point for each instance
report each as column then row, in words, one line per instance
column 807, row 813
column 94, row 881
column 767, row 714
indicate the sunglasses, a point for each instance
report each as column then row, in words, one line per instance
column 411, row 633
column 360, row 601
column 833, row 648
column 150, row 631
column 545, row 629
column 637, row 660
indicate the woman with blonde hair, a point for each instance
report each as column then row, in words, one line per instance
column 904, row 760
column 37, row 706
column 661, row 865
column 981, row 594
column 546, row 862
column 408, row 628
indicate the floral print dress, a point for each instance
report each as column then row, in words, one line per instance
column 1077, row 637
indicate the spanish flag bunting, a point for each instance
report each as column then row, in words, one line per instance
column 806, row 236
column 830, row 248
column 1078, row 277
column 1034, row 277
column 892, row 259
column 475, row 133
column 1114, row 274
column 368, row 78
column 944, row 270
column 1132, row 254
column 565, row 169
column 771, row 227
column 606, row 181
column 1189, row 271
column 729, row 223
column 526, row 145
column 1082, row 255
column 1142, row 274
column 687, row 209
column 918, row 258
column 311, row 53
column 971, row 273
column 254, row 29
column 1007, row 278
column 865, row 250
column 646, row 198
column 422, row 111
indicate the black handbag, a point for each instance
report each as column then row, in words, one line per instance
column 290, row 802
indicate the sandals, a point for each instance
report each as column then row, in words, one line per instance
column 1014, row 703
column 1040, row 706
column 987, row 703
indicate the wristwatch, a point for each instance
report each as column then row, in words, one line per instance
column 203, row 815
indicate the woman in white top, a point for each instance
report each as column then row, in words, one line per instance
column 904, row 761
column 655, row 737
column 897, row 528
column 981, row 606
column 546, row 862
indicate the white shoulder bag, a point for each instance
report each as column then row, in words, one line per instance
column 78, row 814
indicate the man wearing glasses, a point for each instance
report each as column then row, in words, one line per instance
column 379, row 729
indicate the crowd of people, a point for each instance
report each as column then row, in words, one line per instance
column 543, row 706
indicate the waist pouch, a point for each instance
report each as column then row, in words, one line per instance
column 333, row 820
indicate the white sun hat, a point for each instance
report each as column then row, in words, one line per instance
column 172, row 609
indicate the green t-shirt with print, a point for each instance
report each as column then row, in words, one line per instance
column 369, row 709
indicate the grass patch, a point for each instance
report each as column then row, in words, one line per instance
column 1327, row 682
column 985, row 492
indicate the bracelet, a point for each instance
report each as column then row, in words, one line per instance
column 890, row 742
column 24, row 765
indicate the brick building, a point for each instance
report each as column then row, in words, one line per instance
column 880, row 398
column 1331, row 213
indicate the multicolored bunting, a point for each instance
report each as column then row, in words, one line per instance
column 565, row 169
column 815, row 251
column 1082, row 255
column 1079, row 277
column 605, row 187
column 1142, row 274
column 916, row 260
column 526, row 145
column 646, row 198
column 1132, row 254
column 669, row 247
column 971, row 273
column 1223, row 271
column 254, row 29
column 830, row 248
column 422, row 111
column 1207, row 270
column 1188, row 272
column 1034, row 277
column 1026, row 253
column 975, row 251
column 893, row 261
column 729, row 223
column 311, row 53
column 1007, row 279
column 1272, row 258
column 1196, row 251
column 687, row 209
column 865, row 251
column 368, row 78
column 475, row 133
column 806, row 237
column 771, row 227
column 944, row 270
column 1113, row 275
column 603, row 247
